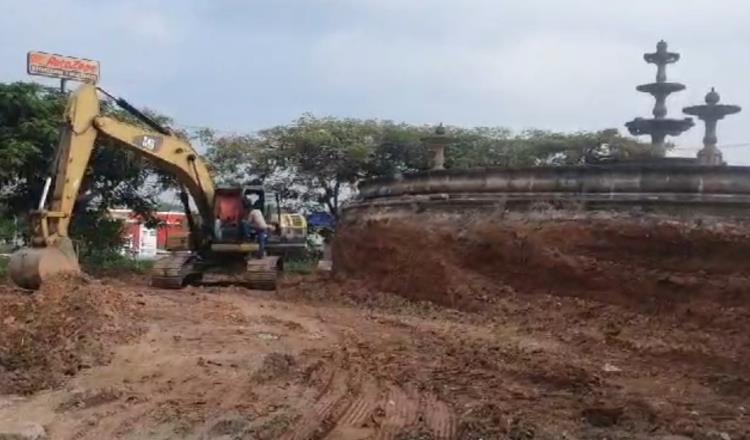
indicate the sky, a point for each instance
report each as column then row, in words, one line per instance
column 239, row 66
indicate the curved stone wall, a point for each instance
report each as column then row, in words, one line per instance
column 691, row 188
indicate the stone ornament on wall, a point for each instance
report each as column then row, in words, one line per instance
column 437, row 143
column 710, row 113
column 660, row 126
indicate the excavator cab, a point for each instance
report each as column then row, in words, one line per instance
column 288, row 238
column 231, row 207
column 234, row 241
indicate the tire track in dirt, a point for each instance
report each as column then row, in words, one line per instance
column 356, row 422
column 439, row 418
column 353, row 408
column 323, row 414
column 401, row 412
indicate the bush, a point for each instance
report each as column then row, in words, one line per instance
column 301, row 265
column 109, row 262
column 3, row 267
column 99, row 239
column 97, row 236
column 8, row 228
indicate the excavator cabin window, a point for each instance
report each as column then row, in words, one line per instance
column 231, row 206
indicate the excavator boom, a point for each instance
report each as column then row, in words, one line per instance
column 51, row 249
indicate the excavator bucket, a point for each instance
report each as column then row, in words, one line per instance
column 30, row 267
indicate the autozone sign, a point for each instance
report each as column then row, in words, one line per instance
column 59, row 66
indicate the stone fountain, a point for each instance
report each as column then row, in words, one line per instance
column 660, row 126
column 672, row 186
column 710, row 113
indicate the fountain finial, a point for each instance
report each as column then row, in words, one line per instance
column 712, row 97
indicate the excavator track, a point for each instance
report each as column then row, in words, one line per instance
column 171, row 272
column 263, row 273
column 167, row 282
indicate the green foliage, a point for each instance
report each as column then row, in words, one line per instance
column 499, row 147
column 95, row 232
column 314, row 161
column 111, row 262
column 398, row 148
column 325, row 154
column 7, row 229
column 301, row 266
column 30, row 120
column 3, row 267
column 99, row 240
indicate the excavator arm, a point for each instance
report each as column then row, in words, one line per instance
column 52, row 251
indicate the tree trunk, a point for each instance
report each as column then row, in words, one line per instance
column 330, row 197
column 336, row 191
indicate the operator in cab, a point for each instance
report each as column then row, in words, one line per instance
column 255, row 223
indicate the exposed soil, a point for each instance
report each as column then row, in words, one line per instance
column 69, row 325
column 646, row 264
column 587, row 329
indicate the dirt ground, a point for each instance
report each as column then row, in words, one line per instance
column 521, row 329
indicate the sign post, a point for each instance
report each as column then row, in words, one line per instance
column 63, row 67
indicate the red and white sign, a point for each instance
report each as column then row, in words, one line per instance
column 59, row 66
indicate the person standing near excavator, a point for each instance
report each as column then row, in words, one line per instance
column 255, row 222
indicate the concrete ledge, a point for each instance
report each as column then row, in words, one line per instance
column 651, row 187
column 600, row 179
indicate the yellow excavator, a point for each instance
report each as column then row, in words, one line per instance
column 219, row 239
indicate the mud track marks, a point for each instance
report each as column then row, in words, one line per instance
column 356, row 407
column 356, row 421
column 439, row 418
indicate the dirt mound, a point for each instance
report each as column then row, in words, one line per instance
column 67, row 326
column 274, row 365
column 329, row 359
column 648, row 263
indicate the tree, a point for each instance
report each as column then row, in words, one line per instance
column 312, row 160
column 549, row 148
column 319, row 160
column 499, row 147
column 398, row 149
column 30, row 120
column 328, row 155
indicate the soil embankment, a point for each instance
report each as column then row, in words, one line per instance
column 513, row 329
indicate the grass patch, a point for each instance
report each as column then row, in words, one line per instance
column 100, row 263
column 113, row 263
column 302, row 266
column 4, row 266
